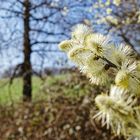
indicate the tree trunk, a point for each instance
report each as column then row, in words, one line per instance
column 27, row 67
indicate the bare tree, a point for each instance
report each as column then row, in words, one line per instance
column 32, row 28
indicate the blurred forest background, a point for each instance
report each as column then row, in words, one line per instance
column 57, row 100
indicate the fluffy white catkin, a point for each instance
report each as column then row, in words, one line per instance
column 114, row 66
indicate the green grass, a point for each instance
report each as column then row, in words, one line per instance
column 13, row 93
column 58, row 85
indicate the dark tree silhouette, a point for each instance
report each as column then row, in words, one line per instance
column 26, row 67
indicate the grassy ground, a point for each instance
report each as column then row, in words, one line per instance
column 14, row 92
column 53, row 85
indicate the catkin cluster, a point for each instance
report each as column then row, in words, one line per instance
column 114, row 66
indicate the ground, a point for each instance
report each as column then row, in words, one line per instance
column 62, row 109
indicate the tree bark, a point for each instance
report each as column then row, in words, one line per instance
column 27, row 67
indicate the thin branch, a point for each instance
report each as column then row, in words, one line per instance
column 44, row 42
column 12, row 11
column 128, row 42
column 48, row 33
column 20, row 2
column 110, row 64
column 37, row 6
column 14, row 73
column 38, row 75
column 48, row 50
